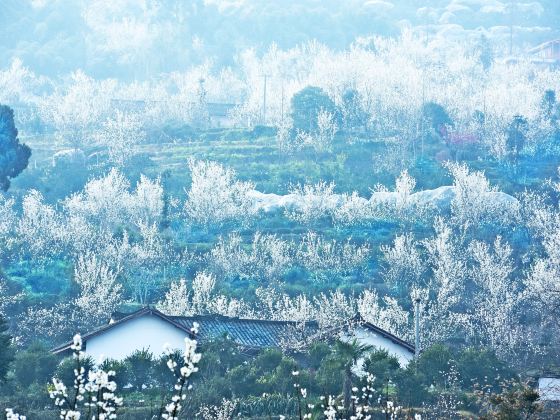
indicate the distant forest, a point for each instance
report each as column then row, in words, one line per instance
column 138, row 39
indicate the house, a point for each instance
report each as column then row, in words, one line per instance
column 150, row 329
column 547, row 53
column 129, row 105
column 549, row 388
column 220, row 114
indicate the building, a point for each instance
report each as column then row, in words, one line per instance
column 219, row 113
column 150, row 329
column 549, row 388
column 546, row 53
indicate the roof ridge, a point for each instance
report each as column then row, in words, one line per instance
column 236, row 318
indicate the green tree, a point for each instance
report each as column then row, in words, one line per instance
column 139, row 368
column 306, row 105
column 436, row 116
column 548, row 103
column 65, row 369
column 382, row 365
column 431, row 363
column 518, row 400
column 353, row 114
column 485, row 52
column 14, row 156
column 349, row 353
column 6, row 350
column 517, row 136
column 481, row 366
column 34, row 365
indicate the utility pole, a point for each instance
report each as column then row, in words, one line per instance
column 265, row 78
column 416, row 326
column 282, row 101
column 511, row 28
column 422, row 110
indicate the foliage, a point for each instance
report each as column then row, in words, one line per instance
column 6, row 350
column 515, row 400
column 14, row 156
column 216, row 196
column 317, row 234
column 100, row 294
column 35, row 365
column 308, row 105
column 436, row 116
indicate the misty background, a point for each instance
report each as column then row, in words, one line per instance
column 139, row 39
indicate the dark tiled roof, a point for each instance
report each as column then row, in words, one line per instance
column 246, row 332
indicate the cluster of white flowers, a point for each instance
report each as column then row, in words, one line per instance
column 301, row 394
column 362, row 405
column 203, row 299
column 100, row 384
column 99, row 291
column 96, row 393
column 216, row 196
column 333, row 309
column 316, row 201
column 330, row 407
column 8, row 221
column 76, row 111
column 224, row 411
column 323, row 257
column 404, row 264
column 476, row 202
column 390, row 82
column 269, row 256
column 11, row 415
column 108, row 202
column 85, row 221
column 188, row 367
column 120, row 134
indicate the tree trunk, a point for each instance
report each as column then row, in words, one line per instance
column 347, row 388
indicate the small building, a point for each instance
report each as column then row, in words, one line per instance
column 545, row 55
column 129, row 105
column 150, row 329
column 549, row 388
column 547, row 51
column 220, row 114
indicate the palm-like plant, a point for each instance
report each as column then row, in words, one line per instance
column 349, row 352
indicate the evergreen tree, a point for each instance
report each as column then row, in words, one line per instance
column 6, row 351
column 485, row 53
column 306, row 105
column 14, row 156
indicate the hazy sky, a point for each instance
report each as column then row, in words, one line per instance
column 117, row 38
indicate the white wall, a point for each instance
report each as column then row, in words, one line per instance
column 549, row 389
column 146, row 332
column 368, row 337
